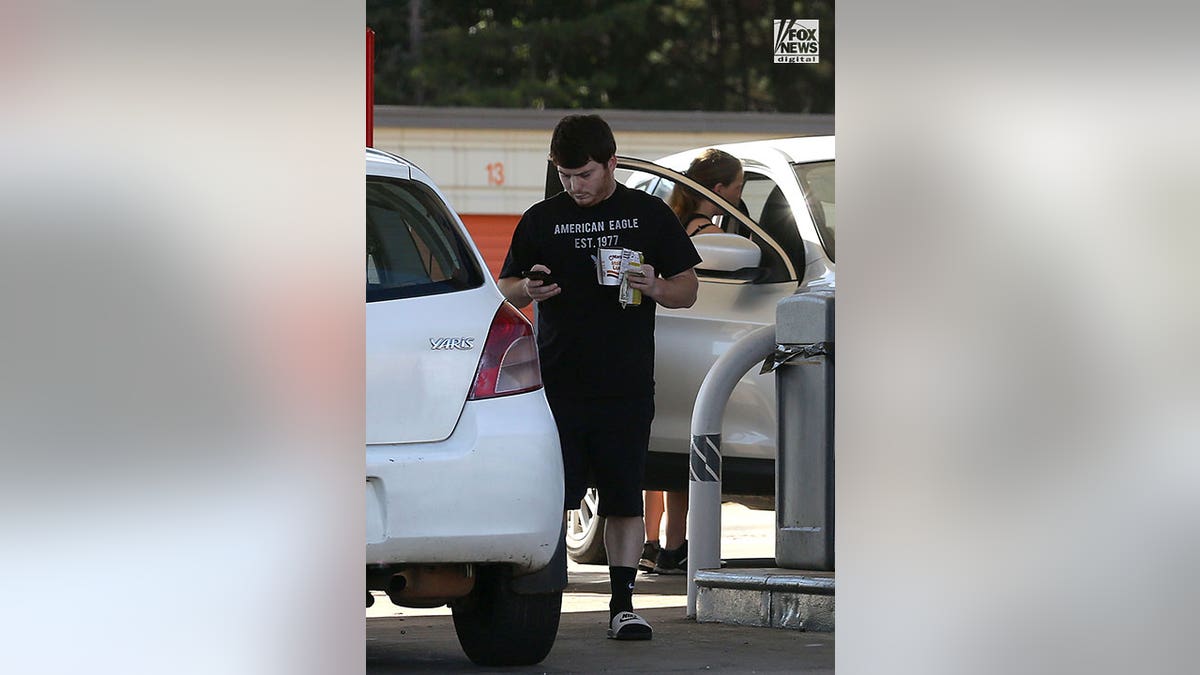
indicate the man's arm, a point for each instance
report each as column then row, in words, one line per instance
column 513, row 289
column 521, row 291
column 675, row 292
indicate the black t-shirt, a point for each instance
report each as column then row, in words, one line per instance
column 591, row 347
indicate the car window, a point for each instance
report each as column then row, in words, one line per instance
column 768, row 206
column 413, row 246
column 638, row 180
column 817, row 181
column 662, row 188
column 755, row 193
column 783, row 249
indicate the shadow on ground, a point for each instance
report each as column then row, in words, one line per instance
column 427, row 644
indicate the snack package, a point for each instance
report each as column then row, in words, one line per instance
column 631, row 264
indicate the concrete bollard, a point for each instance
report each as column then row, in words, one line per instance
column 704, row 473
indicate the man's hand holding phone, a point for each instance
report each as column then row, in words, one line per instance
column 539, row 284
column 538, row 275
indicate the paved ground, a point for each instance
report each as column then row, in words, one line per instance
column 426, row 644
column 411, row 640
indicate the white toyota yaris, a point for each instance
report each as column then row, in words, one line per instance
column 464, row 478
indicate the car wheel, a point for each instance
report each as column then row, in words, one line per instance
column 498, row 627
column 585, row 532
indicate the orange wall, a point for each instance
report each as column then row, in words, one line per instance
column 493, row 234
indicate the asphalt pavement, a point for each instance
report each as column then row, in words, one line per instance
column 403, row 640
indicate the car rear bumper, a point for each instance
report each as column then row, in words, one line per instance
column 491, row 492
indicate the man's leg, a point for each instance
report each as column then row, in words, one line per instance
column 619, row 469
column 623, row 540
column 623, row 544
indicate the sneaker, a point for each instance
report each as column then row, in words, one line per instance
column 629, row 626
column 649, row 556
column 672, row 561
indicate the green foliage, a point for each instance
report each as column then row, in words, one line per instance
column 637, row 54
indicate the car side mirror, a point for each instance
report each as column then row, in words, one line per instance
column 727, row 255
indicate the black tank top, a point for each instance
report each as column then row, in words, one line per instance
column 693, row 217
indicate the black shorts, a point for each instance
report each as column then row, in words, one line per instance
column 604, row 444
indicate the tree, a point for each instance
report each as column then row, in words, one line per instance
column 638, row 54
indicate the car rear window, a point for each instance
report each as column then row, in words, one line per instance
column 413, row 245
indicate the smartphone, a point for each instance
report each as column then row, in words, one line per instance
column 538, row 275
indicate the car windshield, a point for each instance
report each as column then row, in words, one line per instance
column 816, row 179
column 413, row 246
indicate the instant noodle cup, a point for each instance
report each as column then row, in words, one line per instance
column 608, row 266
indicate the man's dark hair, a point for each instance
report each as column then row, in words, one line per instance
column 580, row 138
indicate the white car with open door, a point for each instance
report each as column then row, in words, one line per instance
column 780, row 242
column 464, row 477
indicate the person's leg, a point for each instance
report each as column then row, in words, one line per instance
column 623, row 540
column 676, row 508
column 672, row 557
column 573, row 441
column 620, row 452
column 653, row 502
column 623, row 543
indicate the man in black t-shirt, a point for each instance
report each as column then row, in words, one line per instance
column 597, row 347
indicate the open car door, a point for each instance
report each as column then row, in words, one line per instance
column 746, row 253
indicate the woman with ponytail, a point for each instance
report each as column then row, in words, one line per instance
column 718, row 171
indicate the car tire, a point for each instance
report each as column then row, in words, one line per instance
column 499, row 627
column 585, row 532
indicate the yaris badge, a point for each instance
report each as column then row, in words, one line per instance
column 463, row 343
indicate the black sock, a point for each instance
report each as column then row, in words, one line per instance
column 621, row 581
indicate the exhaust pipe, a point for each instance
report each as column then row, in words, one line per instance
column 430, row 585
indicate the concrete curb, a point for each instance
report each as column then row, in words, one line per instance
column 770, row 597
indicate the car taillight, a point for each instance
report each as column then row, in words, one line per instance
column 509, row 364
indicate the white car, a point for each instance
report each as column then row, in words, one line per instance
column 781, row 242
column 464, row 477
